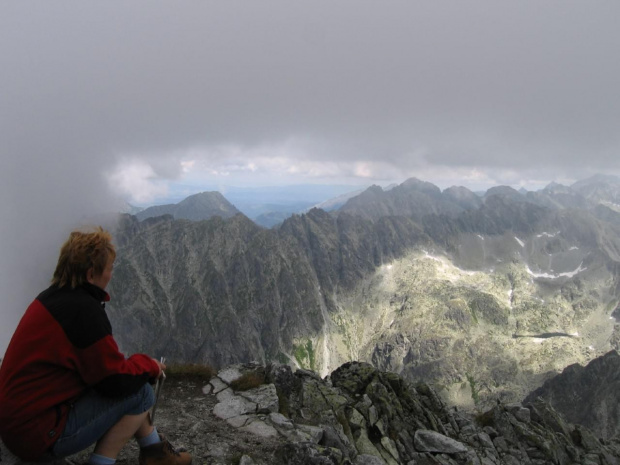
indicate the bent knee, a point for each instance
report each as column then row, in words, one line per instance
column 147, row 396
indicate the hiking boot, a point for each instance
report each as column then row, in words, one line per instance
column 163, row 453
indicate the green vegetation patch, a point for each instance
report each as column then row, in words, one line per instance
column 475, row 390
column 304, row 355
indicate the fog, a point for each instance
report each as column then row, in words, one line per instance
column 139, row 100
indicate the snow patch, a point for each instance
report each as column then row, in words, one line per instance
column 447, row 269
column 574, row 248
column 568, row 274
column 521, row 243
column 546, row 234
column 427, row 255
column 481, row 238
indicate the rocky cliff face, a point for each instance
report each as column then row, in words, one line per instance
column 487, row 303
column 227, row 291
column 588, row 395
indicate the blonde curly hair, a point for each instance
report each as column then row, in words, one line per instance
column 81, row 252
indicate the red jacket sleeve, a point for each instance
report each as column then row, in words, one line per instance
column 104, row 367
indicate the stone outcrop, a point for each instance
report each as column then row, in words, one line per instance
column 357, row 416
column 360, row 415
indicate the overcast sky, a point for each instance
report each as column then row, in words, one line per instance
column 141, row 100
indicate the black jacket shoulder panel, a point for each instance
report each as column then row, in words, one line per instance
column 79, row 312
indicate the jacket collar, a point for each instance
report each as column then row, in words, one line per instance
column 96, row 292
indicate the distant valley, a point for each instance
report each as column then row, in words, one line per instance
column 486, row 296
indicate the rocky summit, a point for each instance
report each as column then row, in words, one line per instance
column 254, row 414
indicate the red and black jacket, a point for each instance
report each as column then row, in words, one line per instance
column 62, row 346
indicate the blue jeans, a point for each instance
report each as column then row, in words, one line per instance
column 93, row 415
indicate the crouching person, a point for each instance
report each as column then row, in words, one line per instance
column 64, row 384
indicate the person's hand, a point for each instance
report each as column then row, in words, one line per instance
column 162, row 367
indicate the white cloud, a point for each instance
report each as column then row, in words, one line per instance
column 137, row 180
column 292, row 160
column 187, row 165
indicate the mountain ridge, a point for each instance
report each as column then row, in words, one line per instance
column 412, row 292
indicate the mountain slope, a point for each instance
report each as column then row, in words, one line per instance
column 589, row 395
column 227, row 290
column 196, row 207
column 474, row 301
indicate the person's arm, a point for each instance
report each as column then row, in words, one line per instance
column 113, row 375
column 102, row 365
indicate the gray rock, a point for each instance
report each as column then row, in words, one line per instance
column 520, row 413
column 334, row 437
column 390, row 446
column 239, row 421
column 265, row 397
column 357, row 419
column 365, row 459
column 304, row 453
column 485, row 441
column 234, row 407
column 225, row 394
column 510, row 460
column 280, row 421
column 591, row 459
column 217, row 384
column 431, row 441
column 218, row 450
column 230, row 374
column 501, row 444
column 260, row 428
column 207, row 389
column 314, row 432
column 523, row 415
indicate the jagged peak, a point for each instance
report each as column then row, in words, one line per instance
column 374, row 189
column 554, row 187
column 422, row 186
